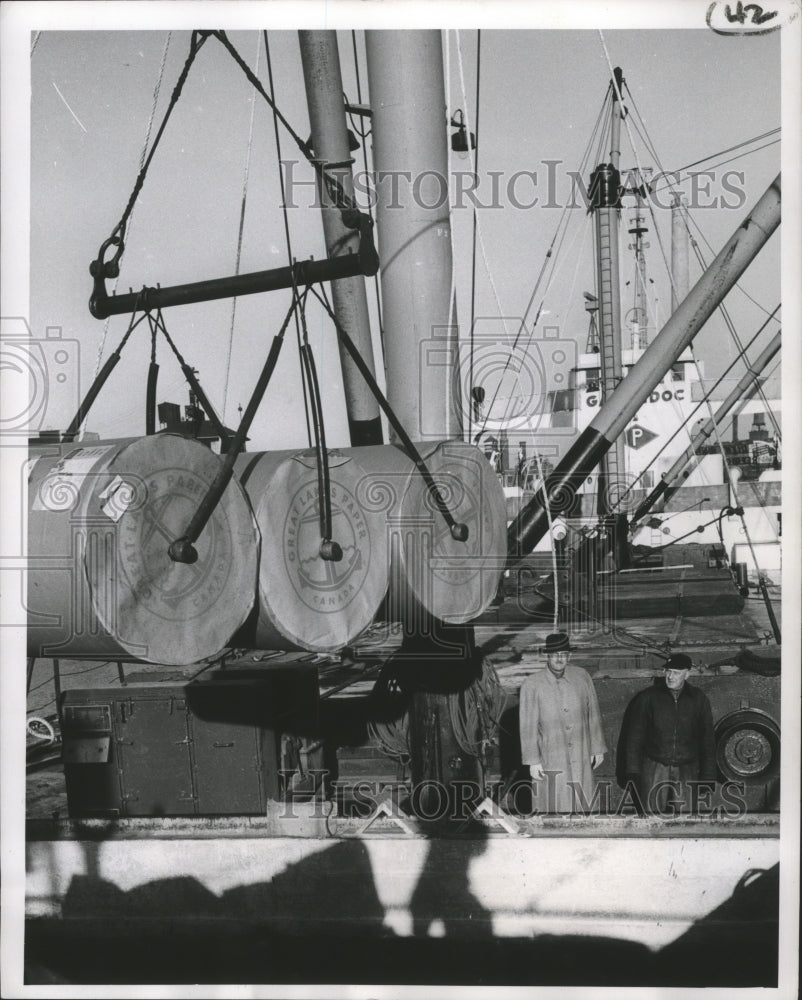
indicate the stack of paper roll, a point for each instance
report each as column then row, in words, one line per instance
column 101, row 517
column 100, row 580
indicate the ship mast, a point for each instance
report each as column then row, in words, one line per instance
column 330, row 143
column 605, row 193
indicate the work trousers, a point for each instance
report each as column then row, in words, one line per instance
column 664, row 789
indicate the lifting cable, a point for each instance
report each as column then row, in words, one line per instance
column 152, row 383
column 111, row 267
column 154, row 105
column 285, row 216
column 558, row 238
column 192, row 380
column 329, row 549
column 364, row 132
column 182, row 549
column 459, row 531
column 333, row 187
column 451, row 323
column 100, row 380
column 475, row 167
column 243, row 204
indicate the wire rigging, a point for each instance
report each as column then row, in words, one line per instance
column 243, row 204
column 550, row 259
column 693, row 412
column 734, row 334
column 364, row 132
column 685, row 214
column 145, row 144
column 473, row 240
column 287, row 238
column 738, row 509
column 688, row 217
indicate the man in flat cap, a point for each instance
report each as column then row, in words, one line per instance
column 561, row 732
column 670, row 740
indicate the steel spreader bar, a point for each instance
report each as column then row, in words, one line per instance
column 306, row 272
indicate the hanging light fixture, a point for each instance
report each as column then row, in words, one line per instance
column 459, row 139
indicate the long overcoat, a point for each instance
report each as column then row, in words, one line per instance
column 560, row 729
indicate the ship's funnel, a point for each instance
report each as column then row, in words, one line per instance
column 100, row 580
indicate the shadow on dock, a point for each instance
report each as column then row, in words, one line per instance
column 320, row 921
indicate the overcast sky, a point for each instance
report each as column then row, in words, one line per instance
column 540, row 94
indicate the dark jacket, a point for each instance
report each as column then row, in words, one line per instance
column 671, row 732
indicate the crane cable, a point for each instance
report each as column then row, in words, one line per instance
column 285, row 215
column 243, row 204
column 363, row 133
column 477, row 233
column 452, row 291
column 154, row 104
column 333, row 187
column 473, row 240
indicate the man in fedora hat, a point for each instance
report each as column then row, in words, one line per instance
column 561, row 732
column 670, row 740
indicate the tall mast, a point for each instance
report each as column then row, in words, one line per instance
column 407, row 96
column 324, row 95
column 606, row 203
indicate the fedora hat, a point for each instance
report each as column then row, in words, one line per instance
column 557, row 642
column 678, row 661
